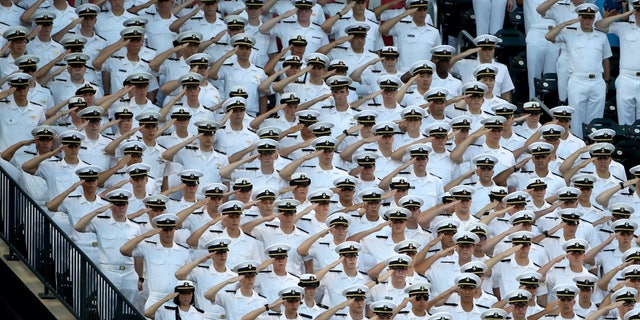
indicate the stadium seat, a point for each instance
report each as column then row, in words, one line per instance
column 602, row 123
column 627, row 152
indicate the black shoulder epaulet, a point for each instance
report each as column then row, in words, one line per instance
column 572, row 28
column 559, row 267
column 334, row 270
column 151, row 242
column 435, row 175
column 180, row 245
column 203, row 266
column 450, row 304
column 382, row 237
column 609, row 250
column 535, row 264
column 147, row 61
column 99, row 36
column 261, row 295
column 293, row 275
column 322, row 306
column 252, row 168
column 404, row 312
column 199, row 310
column 447, row 262
column 505, row 260
column 230, row 291
column 405, row 21
column 196, row 18
column 366, row 274
column 270, row 225
column 303, row 230
column 171, row 307
column 191, row 147
column 605, row 230
column 103, row 217
column 315, row 23
column 555, row 174
column 173, row 59
column 305, row 219
column 481, row 306
column 75, row 196
column 117, row 57
column 215, row 230
column 288, row 21
column 305, row 315
column 30, row 152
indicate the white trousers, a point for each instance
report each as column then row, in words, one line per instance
column 587, row 96
column 628, row 97
column 541, row 57
column 489, row 15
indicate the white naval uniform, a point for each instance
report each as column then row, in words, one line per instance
column 628, row 81
column 409, row 37
column 489, row 15
column 17, row 122
column 205, row 277
column 109, row 25
column 586, row 88
column 541, row 54
column 464, row 68
column 237, row 305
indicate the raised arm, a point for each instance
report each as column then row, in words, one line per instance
column 31, row 166
column 81, row 225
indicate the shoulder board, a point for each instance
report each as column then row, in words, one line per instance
column 180, row 245
column 341, row 314
column 559, row 267
column 376, row 71
column 117, row 57
column 305, row 315
column 505, row 260
column 597, row 207
column 99, row 36
column 199, row 310
column 173, row 59
column 230, row 291
column 374, row 21
column 222, row 43
column 434, row 250
column 554, row 237
column 191, row 148
column 270, row 225
column 196, row 18
column 334, row 270
column 203, row 266
column 609, row 250
column 386, row 204
column 327, row 107
column 555, row 174
column 404, row 172
column 147, row 61
column 366, row 274
column 476, row 145
column 215, row 231
column 521, row 136
column 37, row 104
column 30, row 152
column 75, row 196
column 404, row 312
column 315, row 23
column 151, row 242
column 288, row 21
column 405, row 21
column 572, row 28
column 60, row 80
column 322, row 306
column 261, row 296
column 341, row 47
column 303, row 230
column 450, row 304
column 382, row 237
column 248, row 235
column 356, row 215
column 150, row 13
column 252, row 168
column 265, row 271
column 435, row 175
column 619, row 178
column 228, row 64
column 324, row 243
column 481, row 306
column 305, row 219
column 274, row 313
column 103, row 217
column 447, row 262
column 137, row 222
column 198, row 212
column 293, row 275
column 537, row 265
column 171, row 308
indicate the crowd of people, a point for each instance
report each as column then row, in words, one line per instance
column 327, row 160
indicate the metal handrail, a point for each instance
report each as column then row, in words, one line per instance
column 463, row 35
column 53, row 257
